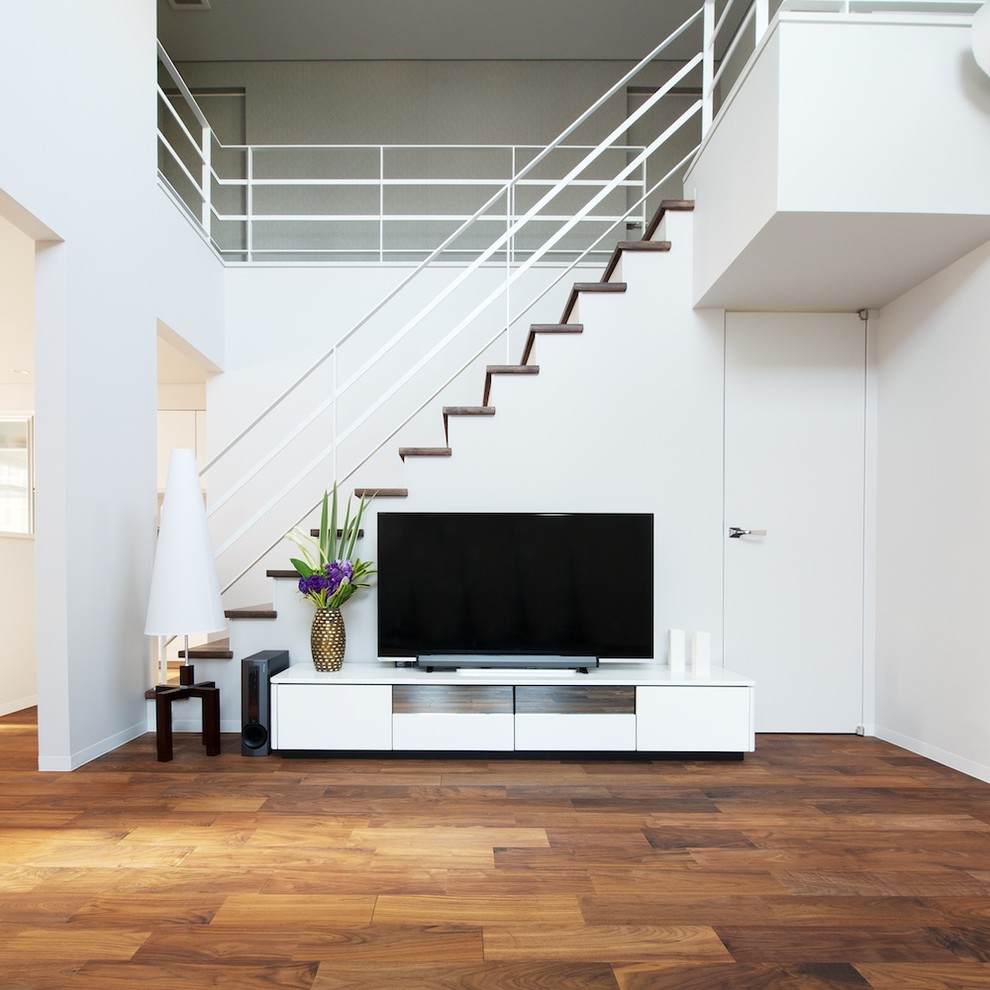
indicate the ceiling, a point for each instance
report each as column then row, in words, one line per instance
column 275, row 30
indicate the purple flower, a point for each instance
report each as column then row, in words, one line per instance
column 313, row 584
column 337, row 572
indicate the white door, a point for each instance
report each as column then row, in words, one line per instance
column 794, row 466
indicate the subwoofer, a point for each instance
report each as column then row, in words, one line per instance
column 257, row 671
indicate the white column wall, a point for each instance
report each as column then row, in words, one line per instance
column 79, row 156
column 933, row 547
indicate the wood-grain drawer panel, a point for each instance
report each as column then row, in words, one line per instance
column 573, row 699
column 469, row 699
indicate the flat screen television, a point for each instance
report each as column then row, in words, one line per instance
column 514, row 588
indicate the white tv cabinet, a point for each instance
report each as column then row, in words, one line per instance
column 613, row 708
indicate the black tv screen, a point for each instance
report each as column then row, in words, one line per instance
column 507, row 584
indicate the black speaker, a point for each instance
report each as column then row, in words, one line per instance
column 257, row 671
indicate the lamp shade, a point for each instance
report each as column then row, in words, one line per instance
column 981, row 38
column 185, row 593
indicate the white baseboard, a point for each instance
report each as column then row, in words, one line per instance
column 961, row 763
column 62, row 764
column 9, row 707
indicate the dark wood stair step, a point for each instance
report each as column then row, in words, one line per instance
column 631, row 246
column 550, row 328
column 405, row 452
column 506, row 369
column 449, row 411
column 217, row 649
column 381, row 492
column 666, row 205
column 251, row 612
column 580, row 287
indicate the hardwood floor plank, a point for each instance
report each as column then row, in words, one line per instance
column 811, row 976
column 72, row 944
column 635, row 907
column 302, row 912
column 925, row 976
column 182, row 976
column 694, row 882
column 449, row 837
column 518, row 882
column 542, row 909
column 138, row 910
column 822, row 944
column 482, row 976
column 408, row 880
column 943, row 883
column 605, row 943
column 380, row 947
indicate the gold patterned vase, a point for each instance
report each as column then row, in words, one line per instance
column 327, row 639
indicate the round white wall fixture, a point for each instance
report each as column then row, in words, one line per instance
column 981, row 38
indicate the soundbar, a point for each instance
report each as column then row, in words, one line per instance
column 504, row 661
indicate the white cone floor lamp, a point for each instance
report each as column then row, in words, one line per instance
column 185, row 593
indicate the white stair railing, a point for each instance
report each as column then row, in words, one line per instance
column 200, row 175
column 503, row 243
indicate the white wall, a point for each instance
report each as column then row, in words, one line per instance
column 88, row 175
column 848, row 143
column 189, row 293
column 933, row 548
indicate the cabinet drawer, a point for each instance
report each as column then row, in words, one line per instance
column 453, row 732
column 348, row 716
column 473, row 699
column 575, row 700
column 688, row 719
column 576, row 732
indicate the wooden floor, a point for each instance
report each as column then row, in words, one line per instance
column 818, row 862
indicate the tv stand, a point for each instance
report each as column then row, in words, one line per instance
column 641, row 708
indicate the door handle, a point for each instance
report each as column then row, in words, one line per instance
column 735, row 532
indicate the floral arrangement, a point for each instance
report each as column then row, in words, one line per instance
column 329, row 573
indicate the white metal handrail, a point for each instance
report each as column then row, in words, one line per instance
column 510, row 320
column 436, row 253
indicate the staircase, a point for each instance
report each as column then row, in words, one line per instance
column 605, row 327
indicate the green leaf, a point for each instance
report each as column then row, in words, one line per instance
column 304, row 569
column 341, row 552
column 323, row 525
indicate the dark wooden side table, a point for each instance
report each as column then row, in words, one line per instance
column 207, row 692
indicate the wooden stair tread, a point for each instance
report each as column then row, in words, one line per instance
column 449, row 411
column 405, row 452
column 580, row 287
column 631, row 246
column 252, row 612
column 666, row 205
column 505, row 369
column 217, row 649
column 549, row 328
column 381, row 492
